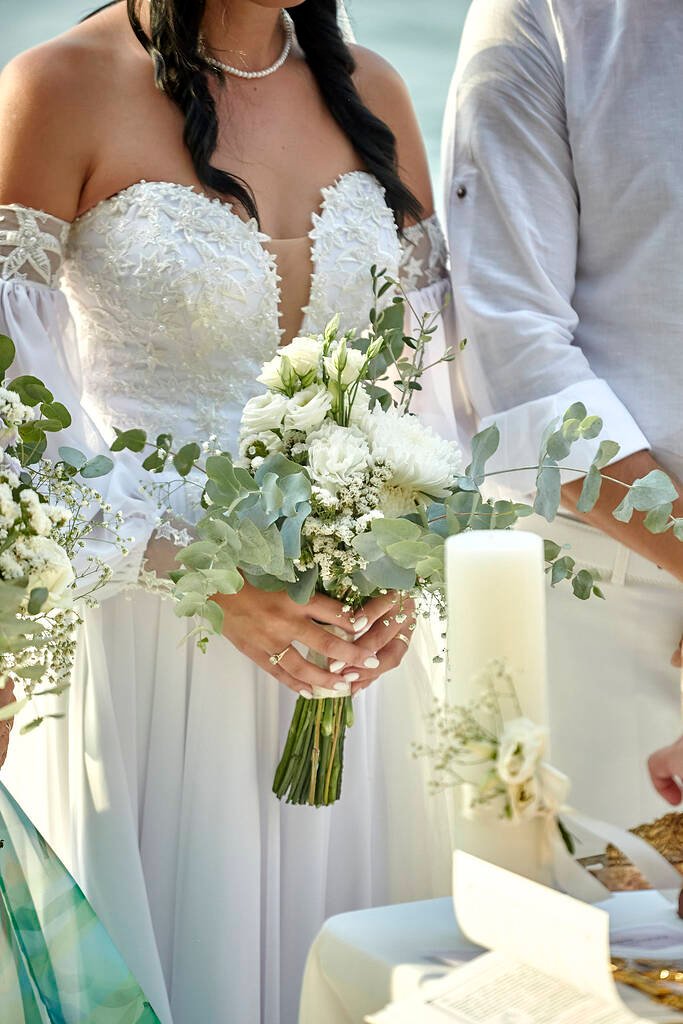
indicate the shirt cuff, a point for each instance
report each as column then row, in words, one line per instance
column 521, row 429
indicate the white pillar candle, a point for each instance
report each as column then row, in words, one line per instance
column 496, row 611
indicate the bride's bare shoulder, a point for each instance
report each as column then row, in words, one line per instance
column 53, row 102
column 385, row 93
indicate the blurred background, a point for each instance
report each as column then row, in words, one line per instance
column 420, row 39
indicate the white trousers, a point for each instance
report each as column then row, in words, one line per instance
column 614, row 697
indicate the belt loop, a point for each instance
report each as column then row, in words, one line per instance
column 620, row 565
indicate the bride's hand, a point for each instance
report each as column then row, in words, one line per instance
column 263, row 625
column 6, row 697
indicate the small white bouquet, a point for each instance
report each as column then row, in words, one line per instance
column 491, row 749
column 46, row 510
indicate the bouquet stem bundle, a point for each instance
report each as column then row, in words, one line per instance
column 310, row 770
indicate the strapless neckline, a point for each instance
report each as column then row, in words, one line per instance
column 204, row 197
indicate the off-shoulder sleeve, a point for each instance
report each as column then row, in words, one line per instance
column 424, row 276
column 35, row 314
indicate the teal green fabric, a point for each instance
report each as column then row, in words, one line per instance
column 57, row 962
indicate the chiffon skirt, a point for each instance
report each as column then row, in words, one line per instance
column 156, row 792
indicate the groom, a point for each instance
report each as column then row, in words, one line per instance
column 564, row 178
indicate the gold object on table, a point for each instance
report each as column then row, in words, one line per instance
column 617, row 873
column 652, row 978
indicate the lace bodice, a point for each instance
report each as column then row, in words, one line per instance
column 176, row 299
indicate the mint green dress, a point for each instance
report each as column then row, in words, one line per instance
column 57, row 962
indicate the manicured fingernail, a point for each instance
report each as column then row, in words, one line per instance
column 306, row 695
column 337, row 666
column 360, row 623
column 371, row 662
column 340, row 686
column 352, row 677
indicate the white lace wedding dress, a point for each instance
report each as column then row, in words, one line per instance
column 156, row 309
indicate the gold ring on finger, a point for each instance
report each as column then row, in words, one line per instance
column 275, row 659
column 404, row 638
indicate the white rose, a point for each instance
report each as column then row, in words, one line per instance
column 337, row 456
column 264, row 412
column 520, row 752
column 49, row 567
column 418, row 458
column 349, row 360
column 303, row 353
column 308, row 408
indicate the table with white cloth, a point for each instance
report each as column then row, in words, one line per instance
column 364, row 960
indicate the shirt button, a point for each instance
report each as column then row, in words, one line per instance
column 461, row 192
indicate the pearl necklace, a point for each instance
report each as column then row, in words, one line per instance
column 288, row 26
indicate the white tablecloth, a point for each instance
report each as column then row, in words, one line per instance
column 364, row 960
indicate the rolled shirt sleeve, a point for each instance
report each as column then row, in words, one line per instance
column 513, row 217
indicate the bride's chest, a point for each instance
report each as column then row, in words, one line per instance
column 161, row 261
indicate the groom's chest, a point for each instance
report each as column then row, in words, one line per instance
column 624, row 102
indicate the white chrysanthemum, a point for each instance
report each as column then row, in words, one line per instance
column 264, row 412
column 337, row 456
column 347, row 361
column 397, row 501
column 419, row 460
column 303, row 353
column 308, row 408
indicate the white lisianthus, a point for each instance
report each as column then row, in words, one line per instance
column 308, row 408
column 347, row 361
column 47, row 565
column 419, row 460
column 303, row 353
column 264, row 412
column 520, row 752
column 264, row 443
column 270, row 374
column 337, row 456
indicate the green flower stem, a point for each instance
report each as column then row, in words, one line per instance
column 315, row 760
column 289, row 745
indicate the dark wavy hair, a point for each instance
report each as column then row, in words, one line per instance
column 183, row 75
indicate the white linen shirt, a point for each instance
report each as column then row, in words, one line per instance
column 564, row 175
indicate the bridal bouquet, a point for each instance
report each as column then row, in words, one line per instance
column 43, row 524
column 338, row 488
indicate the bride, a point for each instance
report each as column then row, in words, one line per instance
column 187, row 184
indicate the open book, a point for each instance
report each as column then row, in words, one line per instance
column 549, row 961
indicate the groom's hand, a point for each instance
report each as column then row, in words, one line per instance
column 666, row 771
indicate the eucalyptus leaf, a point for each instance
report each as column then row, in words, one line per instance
column 646, row 494
column 101, row 465
column 12, row 709
column 484, row 445
column 31, row 391
column 548, row 490
column 582, row 584
column 7, row 354
column 184, row 460
column 659, row 520
column 391, row 531
column 303, row 589
column 72, row 457
column 131, row 440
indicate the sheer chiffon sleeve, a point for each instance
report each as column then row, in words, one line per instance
column 35, row 314
column 425, row 277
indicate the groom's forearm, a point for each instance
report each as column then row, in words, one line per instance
column 662, row 549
